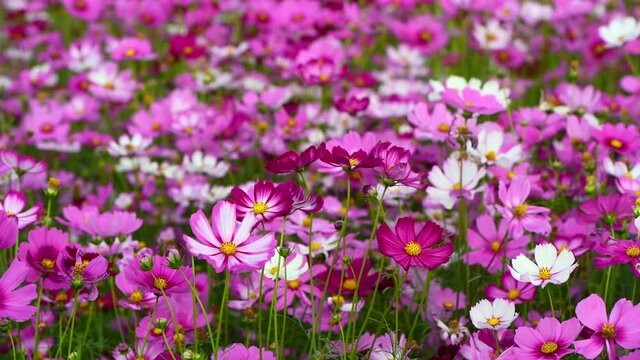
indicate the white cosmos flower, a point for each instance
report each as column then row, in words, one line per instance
column 619, row 31
column 497, row 315
column 128, row 145
column 449, row 182
column 492, row 36
column 550, row 266
column 296, row 265
column 620, row 169
column 199, row 162
column 489, row 149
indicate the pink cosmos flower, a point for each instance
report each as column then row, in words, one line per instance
column 520, row 215
column 395, row 166
column 617, row 252
column 13, row 205
column 131, row 48
column 82, row 270
column 621, row 327
column 618, row 138
column 490, row 244
column 153, row 274
column 437, row 125
column 239, row 351
column 610, row 209
column 112, row 224
column 85, row 9
column 408, row 248
column 321, row 62
column 40, row 253
column 108, row 83
column 8, row 230
column 226, row 244
column 291, row 161
column 265, row 200
column 550, row 340
column 14, row 302
column 512, row 289
column 21, row 164
column 423, row 32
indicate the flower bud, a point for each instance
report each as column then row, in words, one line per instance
column 348, row 260
column 338, row 225
column 174, row 259
column 370, row 191
column 53, row 187
column 162, row 323
column 284, row 251
column 146, row 263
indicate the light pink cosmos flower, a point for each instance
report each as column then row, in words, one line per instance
column 14, row 302
column 8, row 230
column 108, row 83
column 550, row 267
column 550, row 340
column 21, row 164
column 489, row 244
column 621, row 327
column 436, row 125
column 131, row 48
column 520, row 215
column 13, row 205
column 226, row 244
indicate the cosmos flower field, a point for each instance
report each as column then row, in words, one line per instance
column 319, row 179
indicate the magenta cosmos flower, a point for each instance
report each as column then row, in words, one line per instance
column 153, row 273
column 621, row 327
column 619, row 138
column 550, row 340
column 22, row 164
column 239, row 351
column 14, row 302
column 265, row 200
column 14, row 203
column 522, row 216
column 425, row 249
column 512, row 289
column 607, row 208
column 226, row 244
column 291, row 161
column 82, row 270
column 490, row 244
column 40, row 253
column 394, row 166
column 8, row 230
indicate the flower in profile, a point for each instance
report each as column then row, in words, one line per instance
column 453, row 180
column 112, row 224
column 13, row 205
column 425, row 249
column 310, row 204
column 264, row 200
column 621, row 327
column 550, row 266
column 352, row 104
column 291, row 161
column 520, row 215
column 15, row 303
column 395, row 168
column 619, row 31
column 550, row 340
column 239, row 351
column 495, row 315
column 227, row 244
column 610, row 209
column 8, row 230
column 40, row 253
column 82, row 270
column 618, row 138
column 617, row 252
column 21, row 164
column 512, row 289
column 474, row 96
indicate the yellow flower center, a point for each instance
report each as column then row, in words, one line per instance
column 157, row 331
column 608, row 331
column 353, row 162
column 413, row 248
column 444, row 128
column 425, row 36
column 520, row 210
column 294, row 284
column 615, row 143
column 456, row 186
column 448, row 305
column 47, row 264
column 78, row 269
column 633, row 251
column 495, row 246
column 135, row 297
column 494, row 321
column 563, row 248
column 315, row 246
column 513, row 294
column 259, row 208
column 511, row 175
column 549, row 347
column 130, row 52
column 324, row 78
column 228, row 248
column 349, row 284
column 306, row 222
column 337, row 300
column 160, row 283
column 109, row 85
column 491, row 155
column 545, row 273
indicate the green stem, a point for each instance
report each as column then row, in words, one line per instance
column 73, row 321
column 553, row 312
column 166, row 343
column 423, row 297
column 194, row 293
column 37, row 327
column 146, row 336
column 114, row 297
column 223, row 305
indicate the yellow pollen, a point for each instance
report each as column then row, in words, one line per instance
column 464, row 129
column 342, row 210
column 520, row 210
column 511, row 175
column 130, row 52
column 615, row 143
column 628, row 175
column 563, row 248
column 109, row 85
column 294, row 284
column 157, row 331
column 549, row 347
column 228, row 248
column 324, row 78
column 467, row 103
column 42, row 325
column 349, row 284
column 291, row 122
column 160, row 283
column 491, row 155
column 514, row 294
column 273, row 270
column 135, row 297
column 259, row 208
column 633, row 251
column 448, row 305
column 494, row 321
column 456, row 186
column 337, row 300
column 608, row 331
column 306, row 222
column 79, row 267
column 61, row 297
column 425, row 36
column 47, row 264
column 545, row 273
column 353, row 162
column 187, row 50
column 315, row 246
column 444, row 128
column 155, row 126
column 491, row 37
column 413, row 248
column 495, row 246
column 46, row 128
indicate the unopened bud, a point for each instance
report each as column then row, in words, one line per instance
column 338, row 225
column 162, row 323
column 174, row 259
column 284, row 251
column 53, row 187
column 146, row 263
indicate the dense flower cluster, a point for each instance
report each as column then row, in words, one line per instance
column 319, row 179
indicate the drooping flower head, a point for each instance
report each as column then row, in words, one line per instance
column 82, row 270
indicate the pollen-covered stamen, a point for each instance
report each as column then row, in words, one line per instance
column 228, row 248
column 444, row 128
column 135, row 297
column 495, row 246
column 349, row 284
column 615, row 143
column 79, row 267
column 549, row 347
column 513, row 294
column 456, row 186
column 47, row 264
column 259, row 208
column 448, row 305
column 315, row 246
column 353, row 162
column 491, row 155
column 160, row 283
column 413, row 248
column 494, row 321
column 608, row 331
column 293, row 284
column 633, row 251
column 520, row 210
column 545, row 273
